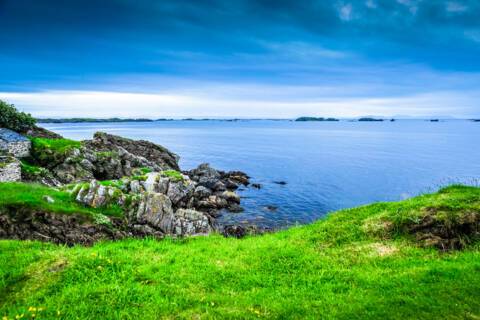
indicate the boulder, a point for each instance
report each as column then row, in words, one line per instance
column 154, row 209
column 189, row 222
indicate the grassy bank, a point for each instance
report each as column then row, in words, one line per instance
column 34, row 196
column 366, row 262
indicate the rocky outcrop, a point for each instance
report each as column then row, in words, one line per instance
column 152, row 155
column 162, row 203
column 105, row 157
column 140, row 177
column 39, row 132
column 29, row 224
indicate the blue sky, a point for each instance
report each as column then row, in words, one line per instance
column 241, row 58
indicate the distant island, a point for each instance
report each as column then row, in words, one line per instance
column 315, row 119
column 370, row 119
column 81, row 120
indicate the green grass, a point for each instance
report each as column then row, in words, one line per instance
column 23, row 195
column 30, row 169
column 51, row 152
column 61, row 146
column 332, row 269
column 173, row 174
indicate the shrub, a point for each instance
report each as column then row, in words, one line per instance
column 15, row 120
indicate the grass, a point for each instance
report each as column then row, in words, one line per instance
column 23, row 195
column 173, row 174
column 61, row 146
column 335, row 268
column 31, row 169
column 49, row 152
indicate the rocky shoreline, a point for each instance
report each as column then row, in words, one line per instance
column 142, row 179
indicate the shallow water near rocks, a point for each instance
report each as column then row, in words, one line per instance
column 326, row 165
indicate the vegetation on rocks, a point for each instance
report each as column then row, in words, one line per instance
column 54, row 146
column 173, row 174
column 364, row 262
column 13, row 119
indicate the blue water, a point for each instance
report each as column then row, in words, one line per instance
column 327, row 165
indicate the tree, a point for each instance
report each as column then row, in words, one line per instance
column 15, row 120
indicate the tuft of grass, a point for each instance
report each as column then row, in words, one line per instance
column 61, row 146
column 102, row 155
column 331, row 269
column 173, row 175
column 49, row 152
column 24, row 195
column 30, row 169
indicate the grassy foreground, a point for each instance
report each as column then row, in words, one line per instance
column 342, row 267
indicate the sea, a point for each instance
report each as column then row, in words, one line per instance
column 308, row 169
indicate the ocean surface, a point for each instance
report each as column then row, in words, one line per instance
column 326, row 165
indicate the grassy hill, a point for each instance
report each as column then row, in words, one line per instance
column 415, row 259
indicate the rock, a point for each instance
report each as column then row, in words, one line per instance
column 95, row 195
column 135, row 186
column 39, row 132
column 160, row 157
column 151, row 183
column 234, row 231
column 219, row 186
column 231, row 196
column 231, row 185
column 282, row 183
column 10, row 168
column 235, row 208
column 48, row 199
column 239, row 177
column 202, row 192
column 191, row 222
column 28, row 224
column 270, row 208
column 256, row 185
column 155, row 209
column 213, row 202
column 180, row 192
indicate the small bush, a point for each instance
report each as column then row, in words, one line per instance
column 15, row 120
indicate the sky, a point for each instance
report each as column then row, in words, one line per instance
column 241, row 58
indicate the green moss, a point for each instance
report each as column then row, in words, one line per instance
column 139, row 178
column 56, row 145
column 331, row 269
column 173, row 175
column 31, row 169
column 16, row 194
column 112, row 183
column 48, row 152
column 102, row 155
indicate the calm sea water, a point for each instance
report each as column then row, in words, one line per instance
column 327, row 165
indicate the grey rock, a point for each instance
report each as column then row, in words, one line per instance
column 155, row 209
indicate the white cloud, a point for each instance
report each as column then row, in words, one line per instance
column 346, row 12
column 371, row 4
column 412, row 5
column 218, row 102
column 455, row 7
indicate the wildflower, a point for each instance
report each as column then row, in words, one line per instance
column 4, row 318
column 58, row 312
column 94, row 254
